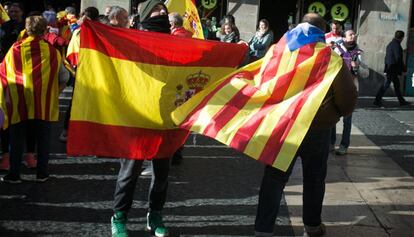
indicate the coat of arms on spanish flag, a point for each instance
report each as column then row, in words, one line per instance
column 188, row 10
column 266, row 108
column 127, row 84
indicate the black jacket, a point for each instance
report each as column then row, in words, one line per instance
column 394, row 58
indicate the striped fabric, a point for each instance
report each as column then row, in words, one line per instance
column 129, row 81
column 29, row 81
column 265, row 109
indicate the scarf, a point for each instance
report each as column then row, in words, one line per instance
column 157, row 24
column 351, row 45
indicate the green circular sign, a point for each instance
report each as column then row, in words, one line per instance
column 209, row 4
column 317, row 7
column 339, row 12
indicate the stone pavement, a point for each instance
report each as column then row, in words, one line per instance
column 214, row 191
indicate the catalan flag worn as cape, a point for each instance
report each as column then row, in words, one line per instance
column 29, row 79
column 265, row 109
column 127, row 84
column 188, row 10
column 3, row 15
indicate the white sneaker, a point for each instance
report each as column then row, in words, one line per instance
column 341, row 151
column 148, row 170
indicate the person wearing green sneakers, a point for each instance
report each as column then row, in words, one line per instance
column 154, row 17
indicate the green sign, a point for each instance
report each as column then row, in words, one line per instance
column 339, row 12
column 209, row 4
column 317, row 7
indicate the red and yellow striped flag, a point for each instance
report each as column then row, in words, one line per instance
column 265, row 109
column 127, row 84
column 3, row 15
column 188, row 10
column 29, row 78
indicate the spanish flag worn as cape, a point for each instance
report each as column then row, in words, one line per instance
column 188, row 10
column 29, row 79
column 266, row 108
column 127, row 84
column 3, row 15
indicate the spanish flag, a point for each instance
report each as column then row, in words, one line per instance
column 29, row 78
column 127, row 84
column 188, row 10
column 3, row 15
column 72, row 54
column 266, row 108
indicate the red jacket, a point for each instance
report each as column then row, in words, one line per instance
column 181, row 32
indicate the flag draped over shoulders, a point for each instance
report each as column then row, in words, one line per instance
column 266, row 108
column 29, row 79
column 188, row 10
column 127, row 84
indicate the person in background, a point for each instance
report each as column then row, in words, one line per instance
column 177, row 29
column 351, row 54
column 334, row 37
column 394, row 68
column 261, row 41
column 230, row 19
column 227, row 33
column 39, row 116
column 11, row 29
column 154, row 17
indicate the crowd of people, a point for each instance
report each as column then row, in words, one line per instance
column 60, row 29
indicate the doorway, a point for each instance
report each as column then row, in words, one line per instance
column 279, row 14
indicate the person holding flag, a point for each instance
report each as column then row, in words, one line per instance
column 154, row 17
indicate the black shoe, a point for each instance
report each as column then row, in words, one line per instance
column 315, row 231
column 378, row 104
column 404, row 103
column 42, row 177
column 11, row 179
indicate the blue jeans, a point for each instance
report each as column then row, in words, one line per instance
column 346, row 132
column 314, row 152
column 18, row 133
column 127, row 180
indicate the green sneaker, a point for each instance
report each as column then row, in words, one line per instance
column 118, row 225
column 156, row 225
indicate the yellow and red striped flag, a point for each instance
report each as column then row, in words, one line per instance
column 188, row 10
column 265, row 109
column 3, row 15
column 29, row 78
column 127, row 84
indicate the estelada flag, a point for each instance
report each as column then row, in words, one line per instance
column 3, row 15
column 127, row 84
column 29, row 79
column 266, row 108
column 188, row 10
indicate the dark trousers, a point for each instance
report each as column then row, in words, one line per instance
column 391, row 77
column 18, row 132
column 314, row 153
column 127, row 180
column 30, row 139
column 346, row 132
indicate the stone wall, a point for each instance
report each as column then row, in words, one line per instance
column 246, row 13
column 378, row 21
